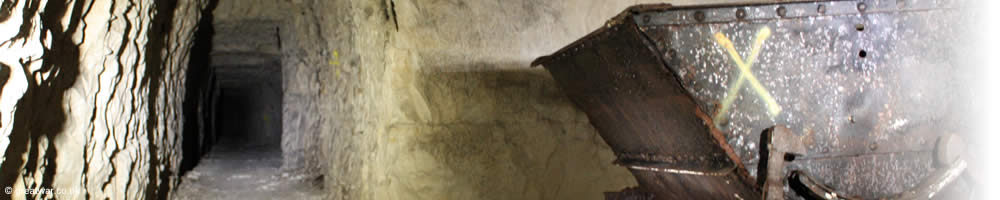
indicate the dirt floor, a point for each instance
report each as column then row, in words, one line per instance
column 234, row 171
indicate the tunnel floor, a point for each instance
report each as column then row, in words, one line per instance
column 235, row 171
column 246, row 161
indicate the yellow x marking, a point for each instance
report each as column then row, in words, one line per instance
column 745, row 74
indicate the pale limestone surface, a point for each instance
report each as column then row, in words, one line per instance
column 91, row 101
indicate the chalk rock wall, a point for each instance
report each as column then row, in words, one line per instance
column 90, row 105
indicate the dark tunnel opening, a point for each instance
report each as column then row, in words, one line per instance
column 248, row 112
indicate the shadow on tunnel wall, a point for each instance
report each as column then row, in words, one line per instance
column 158, row 186
column 497, row 134
column 199, row 127
column 40, row 112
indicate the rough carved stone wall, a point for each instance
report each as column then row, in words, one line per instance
column 91, row 99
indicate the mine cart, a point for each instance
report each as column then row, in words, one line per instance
column 784, row 100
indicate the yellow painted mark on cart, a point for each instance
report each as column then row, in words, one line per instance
column 745, row 74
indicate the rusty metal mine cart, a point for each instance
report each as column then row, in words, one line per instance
column 783, row 100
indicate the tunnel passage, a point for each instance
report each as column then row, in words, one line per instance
column 242, row 154
column 235, row 92
column 249, row 110
column 249, row 106
column 246, row 62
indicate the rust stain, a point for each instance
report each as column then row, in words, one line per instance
column 721, row 141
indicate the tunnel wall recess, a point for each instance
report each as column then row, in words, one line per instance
column 90, row 105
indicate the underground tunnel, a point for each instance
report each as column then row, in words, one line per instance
column 520, row 99
column 239, row 94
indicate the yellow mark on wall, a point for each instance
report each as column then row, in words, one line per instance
column 745, row 74
column 336, row 59
column 336, row 62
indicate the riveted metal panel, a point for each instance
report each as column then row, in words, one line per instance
column 868, row 85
